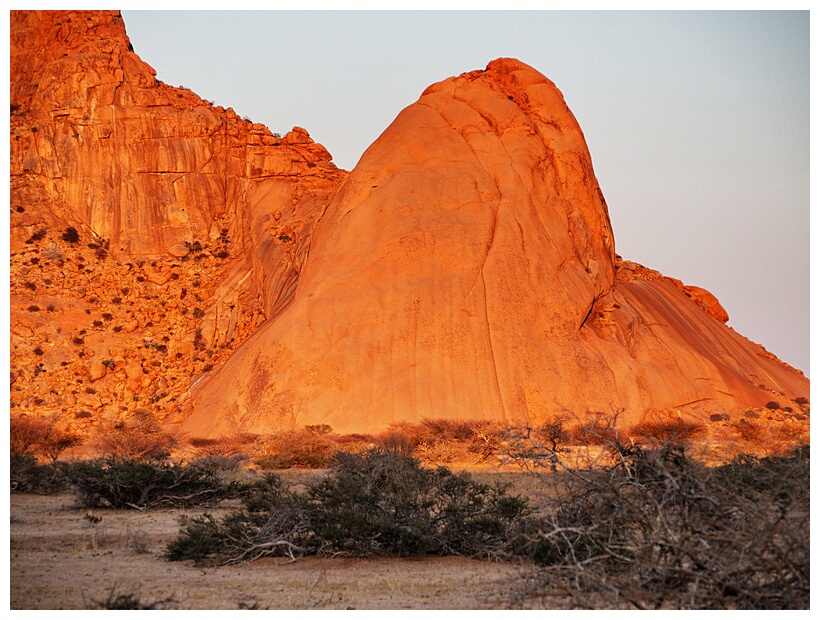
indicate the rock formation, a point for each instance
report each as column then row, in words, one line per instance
column 190, row 225
column 464, row 269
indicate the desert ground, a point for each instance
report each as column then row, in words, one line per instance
column 61, row 557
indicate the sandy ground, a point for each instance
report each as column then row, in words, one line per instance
column 60, row 559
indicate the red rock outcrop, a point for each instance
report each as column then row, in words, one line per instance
column 190, row 224
column 169, row 256
column 466, row 269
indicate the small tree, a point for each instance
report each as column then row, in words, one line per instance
column 25, row 433
column 57, row 441
column 34, row 436
column 140, row 437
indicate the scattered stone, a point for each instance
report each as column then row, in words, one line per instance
column 97, row 370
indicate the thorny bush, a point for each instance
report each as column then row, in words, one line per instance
column 375, row 503
column 28, row 475
column 656, row 529
column 123, row 483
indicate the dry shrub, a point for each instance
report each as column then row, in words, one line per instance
column 595, row 431
column 319, row 429
column 376, row 503
column 226, row 465
column 301, row 448
column 381, row 502
column 658, row 530
column 775, row 436
column 27, row 475
column 116, row 482
column 436, row 430
column 354, row 443
column 273, row 522
column 132, row 444
column 223, row 446
column 205, row 443
column 132, row 601
column 140, row 437
column 396, row 441
column 25, row 433
column 788, row 434
column 53, row 253
column 444, row 441
column 659, row 432
column 39, row 437
column 748, row 429
column 758, row 435
column 355, row 439
column 534, row 448
column 472, row 440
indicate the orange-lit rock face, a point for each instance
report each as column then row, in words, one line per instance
column 466, row 269
column 201, row 217
column 234, row 280
column 99, row 142
column 96, row 138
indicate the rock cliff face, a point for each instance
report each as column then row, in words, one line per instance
column 465, row 269
column 190, row 225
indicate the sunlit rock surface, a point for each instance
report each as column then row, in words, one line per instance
column 466, row 269
column 168, row 256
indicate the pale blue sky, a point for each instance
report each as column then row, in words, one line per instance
column 697, row 122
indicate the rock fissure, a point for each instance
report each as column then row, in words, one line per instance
column 493, row 362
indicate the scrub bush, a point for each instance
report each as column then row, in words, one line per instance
column 376, row 503
column 28, row 475
column 122, row 483
column 656, row 529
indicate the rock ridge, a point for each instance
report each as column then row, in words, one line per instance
column 170, row 257
column 190, row 224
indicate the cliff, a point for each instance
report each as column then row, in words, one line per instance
column 168, row 256
column 189, row 224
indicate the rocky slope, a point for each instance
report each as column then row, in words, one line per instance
column 465, row 269
column 150, row 231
